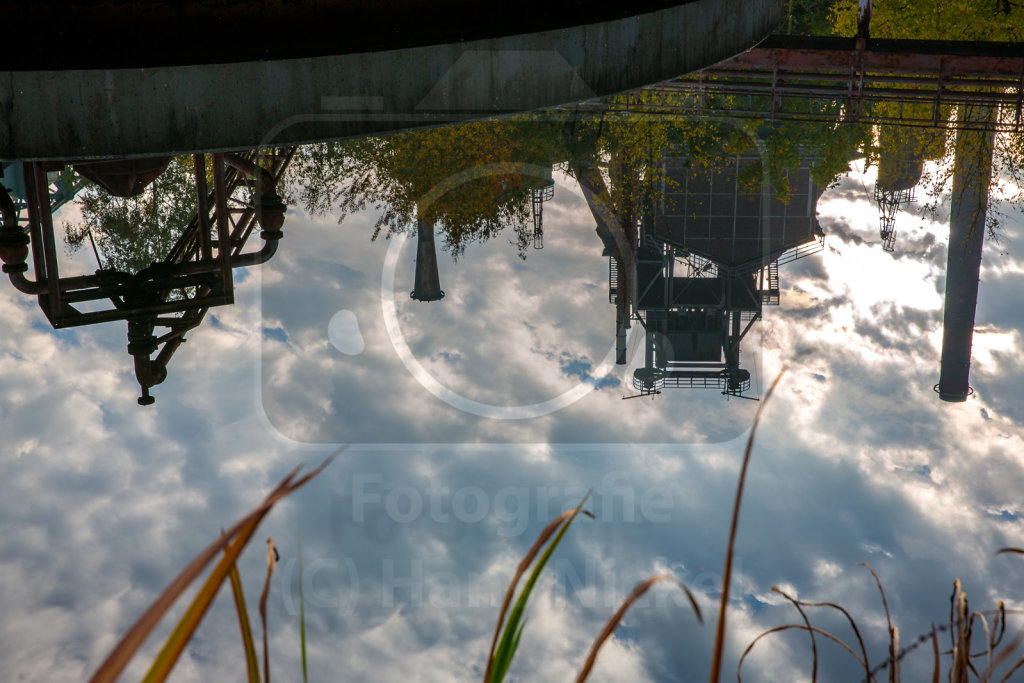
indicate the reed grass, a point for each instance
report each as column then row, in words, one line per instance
column 502, row 652
column 718, row 653
column 231, row 542
column 616, row 618
column 964, row 624
column 252, row 666
column 302, row 616
column 271, row 564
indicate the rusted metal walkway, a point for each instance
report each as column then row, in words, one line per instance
column 850, row 80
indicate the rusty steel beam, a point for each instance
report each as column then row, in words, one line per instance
column 912, row 57
column 852, row 74
column 220, row 207
column 202, row 208
column 55, row 309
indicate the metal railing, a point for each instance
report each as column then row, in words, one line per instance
column 718, row 380
column 843, row 80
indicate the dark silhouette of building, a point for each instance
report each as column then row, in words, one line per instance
column 706, row 262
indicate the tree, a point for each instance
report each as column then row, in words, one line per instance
column 988, row 20
column 131, row 233
column 966, row 20
column 472, row 179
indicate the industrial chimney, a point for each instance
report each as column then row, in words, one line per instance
column 428, row 283
column 972, row 172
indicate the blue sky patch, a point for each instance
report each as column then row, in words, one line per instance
column 581, row 368
column 275, row 333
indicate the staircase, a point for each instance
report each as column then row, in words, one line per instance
column 770, row 295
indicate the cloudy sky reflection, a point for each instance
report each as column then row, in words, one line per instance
column 410, row 536
column 523, row 350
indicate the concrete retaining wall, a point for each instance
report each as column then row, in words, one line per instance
column 93, row 113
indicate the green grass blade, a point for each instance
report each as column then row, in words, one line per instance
column 501, row 668
column 510, row 637
column 515, row 644
column 302, row 618
column 524, row 564
column 182, row 633
column 251, row 663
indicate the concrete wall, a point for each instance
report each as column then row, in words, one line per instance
column 93, row 113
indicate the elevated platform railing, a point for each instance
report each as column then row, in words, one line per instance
column 905, row 82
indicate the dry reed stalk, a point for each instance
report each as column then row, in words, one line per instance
column 241, row 531
column 814, row 645
column 271, row 564
column 868, row 674
column 719, row 652
column 959, row 634
column 252, row 667
column 894, row 660
column 786, row 627
column 613, row 622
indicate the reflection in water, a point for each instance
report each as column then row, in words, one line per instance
column 706, row 263
column 694, row 240
column 972, row 173
column 408, row 543
column 136, row 224
column 172, row 294
column 428, row 282
column 695, row 216
column 538, row 196
column 903, row 152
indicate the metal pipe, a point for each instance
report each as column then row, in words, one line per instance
column 26, row 286
column 47, row 243
column 35, row 234
column 864, row 18
column 257, row 257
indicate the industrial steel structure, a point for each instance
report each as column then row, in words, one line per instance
column 706, row 262
column 165, row 300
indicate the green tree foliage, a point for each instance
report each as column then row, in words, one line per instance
column 131, row 233
column 966, row 20
column 807, row 18
column 472, row 179
column 984, row 20
column 1007, row 176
